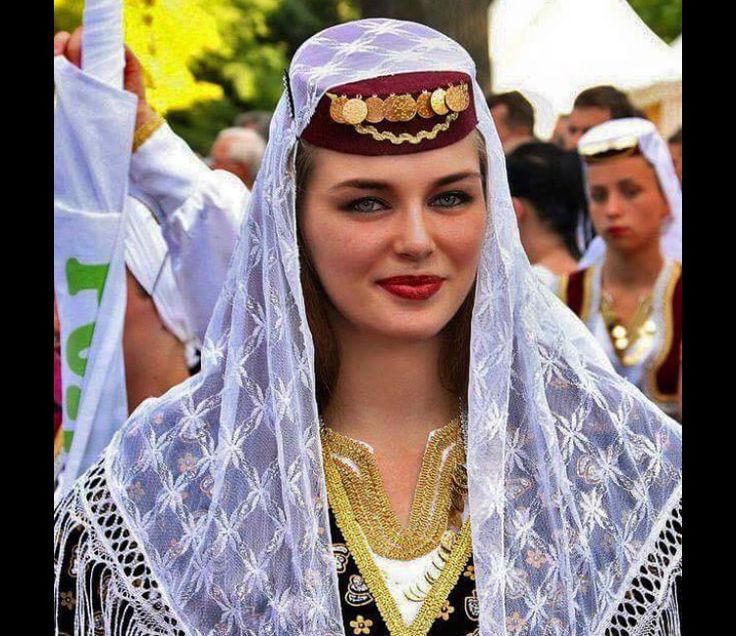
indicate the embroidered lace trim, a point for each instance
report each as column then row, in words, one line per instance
column 650, row 607
column 131, row 601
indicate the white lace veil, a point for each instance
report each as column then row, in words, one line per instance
column 655, row 150
column 573, row 473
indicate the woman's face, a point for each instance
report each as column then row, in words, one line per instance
column 395, row 240
column 627, row 206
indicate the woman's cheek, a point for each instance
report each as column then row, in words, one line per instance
column 465, row 245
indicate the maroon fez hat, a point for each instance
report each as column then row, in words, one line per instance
column 395, row 114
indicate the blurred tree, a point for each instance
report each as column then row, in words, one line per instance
column 260, row 36
column 166, row 35
column 664, row 17
column 463, row 20
column 217, row 58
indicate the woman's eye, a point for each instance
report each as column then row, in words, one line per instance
column 630, row 192
column 365, row 205
column 450, row 199
column 598, row 196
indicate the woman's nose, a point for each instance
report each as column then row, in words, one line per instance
column 413, row 237
column 613, row 205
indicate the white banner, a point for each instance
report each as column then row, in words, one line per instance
column 93, row 129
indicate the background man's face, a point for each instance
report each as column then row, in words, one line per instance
column 581, row 120
column 219, row 160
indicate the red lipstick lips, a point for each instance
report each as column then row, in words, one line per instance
column 412, row 287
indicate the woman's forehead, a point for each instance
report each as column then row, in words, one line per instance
column 620, row 168
column 462, row 156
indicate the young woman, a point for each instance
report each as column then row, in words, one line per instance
column 630, row 293
column 396, row 429
column 547, row 192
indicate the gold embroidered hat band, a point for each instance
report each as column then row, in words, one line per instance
column 397, row 114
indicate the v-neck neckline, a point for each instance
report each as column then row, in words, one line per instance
column 432, row 500
column 360, row 549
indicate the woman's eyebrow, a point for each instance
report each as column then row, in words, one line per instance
column 372, row 184
column 627, row 181
column 458, row 176
column 362, row 184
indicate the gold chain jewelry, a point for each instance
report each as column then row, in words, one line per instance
column 387, row 135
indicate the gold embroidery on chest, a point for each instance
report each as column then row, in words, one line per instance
column 359, row 548
column 434, row 499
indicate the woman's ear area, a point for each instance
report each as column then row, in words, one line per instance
column 519, row 209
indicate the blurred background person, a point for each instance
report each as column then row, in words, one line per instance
column 258, row 120
column 629, row 290
column 513, row 115
column 675, row 146
column 559, row 133
column 547, row 192
column 594, row 106
column 238, row 150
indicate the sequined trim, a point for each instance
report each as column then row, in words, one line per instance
column 667, row 310
column 433, row 499
column 585, row 306
column 358, row 546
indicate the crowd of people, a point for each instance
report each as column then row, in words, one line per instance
column 455, row 277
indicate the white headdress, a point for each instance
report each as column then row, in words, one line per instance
column 221, row 480
column 628, row 132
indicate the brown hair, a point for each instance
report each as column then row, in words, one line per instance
column 455, row 354
column 519, row 110
column 607, row 97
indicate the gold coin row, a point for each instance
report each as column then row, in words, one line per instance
column 356, row 110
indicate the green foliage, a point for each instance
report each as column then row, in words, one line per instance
column 664, row 17
column 67, row 15
column 260, row 36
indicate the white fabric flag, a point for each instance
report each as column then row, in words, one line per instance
column 94, row 121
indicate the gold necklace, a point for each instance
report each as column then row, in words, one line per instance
column 440, row 492
column 640, row 328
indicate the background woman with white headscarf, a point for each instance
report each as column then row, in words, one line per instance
column 226, row 507
column 628, row 290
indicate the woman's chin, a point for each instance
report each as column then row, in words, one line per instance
column 413, row 328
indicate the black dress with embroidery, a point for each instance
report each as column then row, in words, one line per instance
column 361, row 616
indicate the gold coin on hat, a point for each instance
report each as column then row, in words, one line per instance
column 438, row 102
column 424, row 107
column 400, row 107
column 457, row 99
column 336, row 109
column 376, row 110
column 354, row 111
